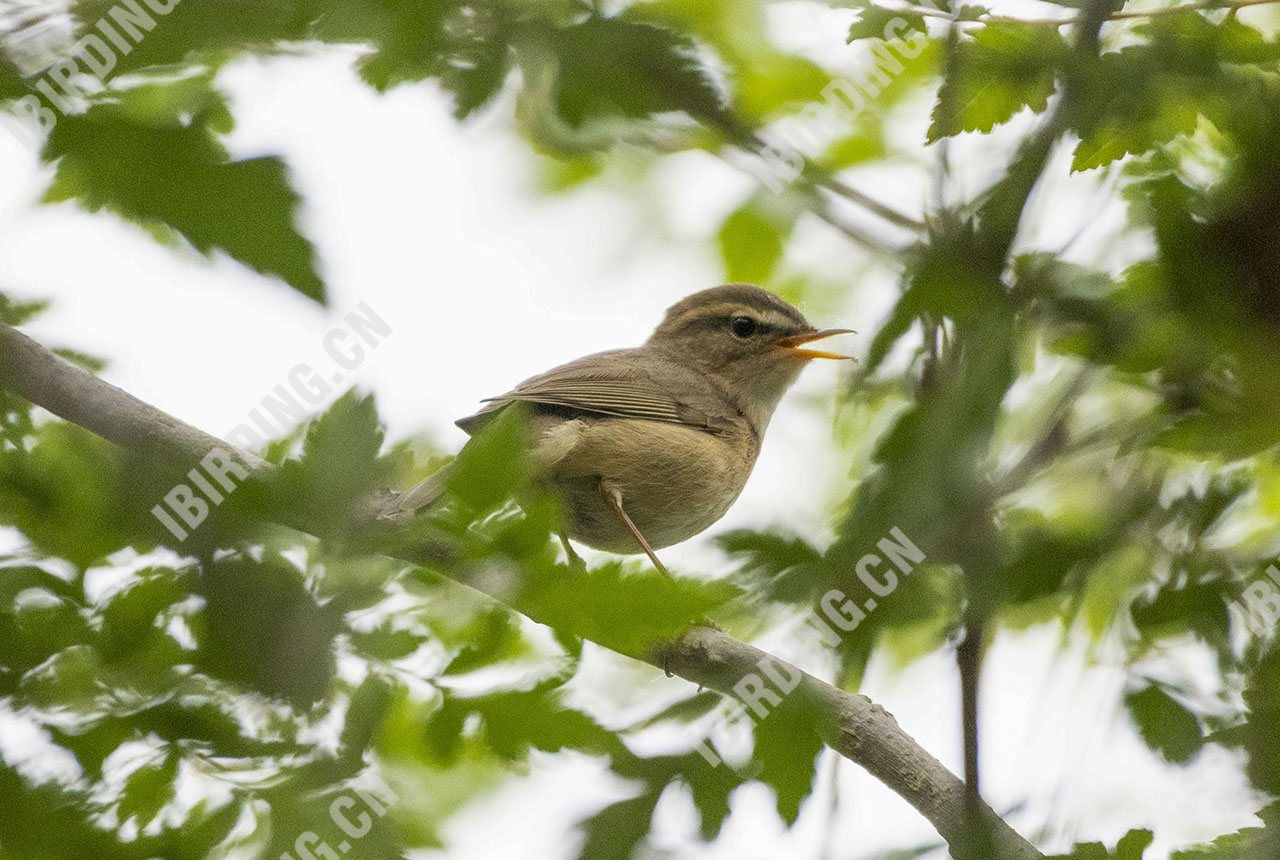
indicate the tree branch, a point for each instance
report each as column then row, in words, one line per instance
column 850, row 724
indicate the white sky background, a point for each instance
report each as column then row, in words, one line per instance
column 484, row 283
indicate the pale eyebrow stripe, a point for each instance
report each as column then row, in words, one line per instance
column 733, row 309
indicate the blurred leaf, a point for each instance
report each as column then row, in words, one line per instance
column 613, row 832
column 69, row 496
column 752, row 239
column 786, row 753
column 1185, row 606
column 1042, row 551
column 1249, row 843
column 1130, row 847
column 684, row 711
column 490, row 468
column 1133, row 844
column 514, row 722
column 131, row 615
column 264, row 629
column 386, row 642
column 15, row 313
column 1147, row 94
column 492, row 636
column 873, row 23
column 767, row 555
column 167, row 168
column 614, row 67
column 1262, row 695
column 1165, row 724
column 369, row 705
column 148, row 789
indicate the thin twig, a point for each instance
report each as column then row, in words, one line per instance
column 843, row 189
column 880, row 246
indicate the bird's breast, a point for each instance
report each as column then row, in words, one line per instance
column 675, row 480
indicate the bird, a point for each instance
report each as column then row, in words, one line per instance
column 651, row 445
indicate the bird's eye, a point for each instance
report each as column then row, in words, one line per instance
column 742, row 326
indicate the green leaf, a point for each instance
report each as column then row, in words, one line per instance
column 767, row 554
column 1133, row 844
column 17, row 313
column 1087, row 851
column 369, row 706
column 73, row 497
column 91, row 363
column 1180, row 606
column 1249, row 843
column 386, row 642
column 874, row 23
column 514, row 722
column 148, row 789
column 684, row 711
column 1140, row 106
column 752, row 240
column 609, row 67
column 131, row 615
column 1130, row 847
column 1165, row 724
column 157, row 162
column 1262, row 695
column 339, row 466
column 207, row 722
column 489, row 468
column 491, row 636
column 786, row 753
column 1000, row 70
column 626, row 612
column 613, row 832
column 196, row 34
column 1145, row 95
column 410, row 38
column 303, row 817
column 70, row 680
column 39, row 620
column 474, row 85
column 261, row 627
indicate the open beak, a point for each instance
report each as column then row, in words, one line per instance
column 793, row 343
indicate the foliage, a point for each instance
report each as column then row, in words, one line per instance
column 1091, row 446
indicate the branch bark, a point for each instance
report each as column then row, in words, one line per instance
column 848, row 723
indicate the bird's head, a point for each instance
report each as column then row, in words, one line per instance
column 748, row 340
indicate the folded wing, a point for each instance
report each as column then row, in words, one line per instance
column 619, row 384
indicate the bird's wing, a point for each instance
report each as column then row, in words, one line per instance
column 622, row 384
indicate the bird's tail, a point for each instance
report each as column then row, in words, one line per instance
column 422, row 495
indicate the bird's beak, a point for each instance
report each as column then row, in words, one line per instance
column 793, row 343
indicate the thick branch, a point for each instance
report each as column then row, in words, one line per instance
column 858, row 729
column 850, row 724
column 32, row 371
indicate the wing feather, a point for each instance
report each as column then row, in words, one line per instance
column 620, row 384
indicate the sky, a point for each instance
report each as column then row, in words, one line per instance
column 439, row 229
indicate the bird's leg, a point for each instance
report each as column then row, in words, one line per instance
column 613, row 497
column 575, row 560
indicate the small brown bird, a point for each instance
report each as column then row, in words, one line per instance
column 651, row 445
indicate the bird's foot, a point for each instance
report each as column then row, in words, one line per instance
column 613, row 497
column 571, row 555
